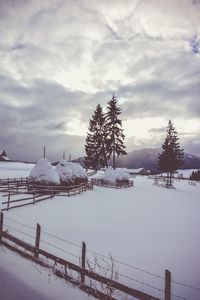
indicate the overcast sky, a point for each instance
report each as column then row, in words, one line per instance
column 59, row 59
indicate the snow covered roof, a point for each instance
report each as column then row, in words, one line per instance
column 137, row 171
column 43, row 172
column 5, row 158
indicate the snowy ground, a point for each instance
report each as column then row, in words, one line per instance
column 146, row 226
column 21, row 279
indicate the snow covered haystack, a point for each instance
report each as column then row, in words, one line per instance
column 44, row 173
column 79, row 174
column 115, row 176
column 64, row 171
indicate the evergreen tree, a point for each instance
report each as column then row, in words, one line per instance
column 172, row 155
column 3, row 153
column 115, row 142
column 195, row 175
column 96, row 146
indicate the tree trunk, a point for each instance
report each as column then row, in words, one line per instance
column 170, row 178
column 114, row 159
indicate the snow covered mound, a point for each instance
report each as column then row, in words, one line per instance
column 44, row 173
column 115, row 175
column 64, row 171
column 79, row 174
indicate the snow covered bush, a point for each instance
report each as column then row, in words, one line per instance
column 65, row 172
column 44, row 173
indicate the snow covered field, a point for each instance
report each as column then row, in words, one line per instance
column 146, row 226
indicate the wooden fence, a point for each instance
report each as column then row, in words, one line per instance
column 116, row 185
column 30, row 193
column 193, row 183
column 36, row 254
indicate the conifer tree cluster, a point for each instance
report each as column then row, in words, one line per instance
column 195, row 175
column 105, row 136
column 172, row 155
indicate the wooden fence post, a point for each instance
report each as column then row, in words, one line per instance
column 83, row 261
column 33, row 198
column 167, row 285
column 1, row 227
column 37, row 241
column 8, row 202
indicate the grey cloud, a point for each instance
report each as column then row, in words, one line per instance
column 29, row 146
column 157, row 130
column 18, row 46
column 192, row 144
column 56, row 126
column 161, row 97
column 59, row 59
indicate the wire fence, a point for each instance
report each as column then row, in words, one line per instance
column 97, row 254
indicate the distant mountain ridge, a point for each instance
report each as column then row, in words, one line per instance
column 148, row 159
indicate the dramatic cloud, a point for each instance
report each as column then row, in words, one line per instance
column 60, row 58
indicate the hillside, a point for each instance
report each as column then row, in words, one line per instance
column 148, row 159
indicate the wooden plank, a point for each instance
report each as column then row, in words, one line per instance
column 21, row 205
column 18, row 193
column 38, row 200
column 17, row 250
column 18, row 241
column 83, row 287
column 83, row 261
column 90, row 274
column 23, row 199
column 15, row 206
column 8, row 201
column 167, row 285
column 99, row 278
column 1, row 227
column 37, row 241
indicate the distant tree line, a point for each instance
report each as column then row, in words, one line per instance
column 195, row 175
column 105, row 137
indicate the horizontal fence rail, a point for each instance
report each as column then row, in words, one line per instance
column 31, row 193
column 117, row 184
column 83, row 257
column 37, row 252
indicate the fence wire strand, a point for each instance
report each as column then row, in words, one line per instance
column 22, row 232
column 19, row 223
column 61, row 239
column 130, row 278
column 94, row 252
column 58, row 248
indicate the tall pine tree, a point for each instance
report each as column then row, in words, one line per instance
column 172, row 155
column 115, row 142
column 96, row 146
